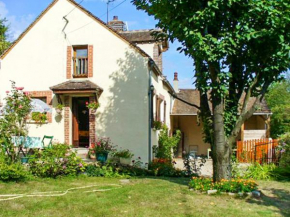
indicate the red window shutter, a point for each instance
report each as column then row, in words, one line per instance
column 68, row 62
column 90, row 61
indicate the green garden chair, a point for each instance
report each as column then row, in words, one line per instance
column 47, row 141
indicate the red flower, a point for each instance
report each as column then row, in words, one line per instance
column 87, row 103
column 7, row 91
column 19, row 88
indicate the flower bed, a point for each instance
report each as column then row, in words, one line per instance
column 233, row 185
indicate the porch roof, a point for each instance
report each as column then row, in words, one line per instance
column 76, row 86
column 192, row 96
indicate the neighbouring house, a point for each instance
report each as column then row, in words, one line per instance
column 69, row 56
column 185, row 118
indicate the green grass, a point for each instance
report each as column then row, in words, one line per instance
column 141, row 197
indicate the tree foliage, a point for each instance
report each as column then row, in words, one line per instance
column 239, row 48
column 278, row 99
column 4, row 44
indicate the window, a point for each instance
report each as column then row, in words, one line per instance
column 80, row 61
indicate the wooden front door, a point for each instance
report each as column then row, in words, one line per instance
column 80, row 122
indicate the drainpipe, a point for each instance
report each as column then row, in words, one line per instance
column 151, row 63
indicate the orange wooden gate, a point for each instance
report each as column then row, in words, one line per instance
column 258, row 150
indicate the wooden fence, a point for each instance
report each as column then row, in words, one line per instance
column 258, row 150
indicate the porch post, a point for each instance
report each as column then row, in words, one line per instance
column 92, row 125
column 242, row 132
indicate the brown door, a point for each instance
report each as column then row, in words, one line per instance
column 75, row 122
column 80, row 122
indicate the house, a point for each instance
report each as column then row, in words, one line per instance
column 68, row 56
column 185, row 118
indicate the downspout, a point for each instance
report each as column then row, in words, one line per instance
column 151, row 63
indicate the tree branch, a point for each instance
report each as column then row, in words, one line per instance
column 246, row 114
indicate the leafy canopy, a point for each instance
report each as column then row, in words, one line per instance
column 278, row 99
column 4, row 44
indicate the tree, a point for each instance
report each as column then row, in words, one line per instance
column 278, row 99
column 4, row 44
column 239, row 48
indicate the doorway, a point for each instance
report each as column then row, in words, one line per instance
column 80, row 122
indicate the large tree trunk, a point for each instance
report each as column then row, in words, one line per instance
column 221, row 149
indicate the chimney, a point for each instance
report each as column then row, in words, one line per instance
column 175, row 82
column 117, row 24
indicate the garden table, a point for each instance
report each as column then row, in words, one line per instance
column 27, row 142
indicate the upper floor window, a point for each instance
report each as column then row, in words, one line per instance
column 80, row 61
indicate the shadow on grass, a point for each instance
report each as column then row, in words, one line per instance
column 279, row 198
column 177, row 180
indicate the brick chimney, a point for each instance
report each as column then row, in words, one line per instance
column 175, row 82
column 117, row 24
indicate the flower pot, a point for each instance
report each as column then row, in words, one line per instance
column 93, row 111
column 58, row 111
column 125, row 161
column 102, row 157
column 24, row 160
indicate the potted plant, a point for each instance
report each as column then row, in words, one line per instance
column 125, row 156
column 93, row 106
column 102, row 148
column 39, row 117
column 59, row 108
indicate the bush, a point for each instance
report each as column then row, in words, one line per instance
column 56, row 161
column 282, row 173
column 261, row 172
column 95, row 170
column 233, row 185
column 163, row 167
column 166, row 144
column 284, row 149
column 12, row 172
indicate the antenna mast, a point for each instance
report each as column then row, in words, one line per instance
column 108, row 2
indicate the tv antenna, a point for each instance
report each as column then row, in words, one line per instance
column 108, row 2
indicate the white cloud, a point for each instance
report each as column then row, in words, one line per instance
column 17, row 24
column 3, row 10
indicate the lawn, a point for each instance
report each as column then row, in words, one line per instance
column 140, row 197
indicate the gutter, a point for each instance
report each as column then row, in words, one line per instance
column 151, row 65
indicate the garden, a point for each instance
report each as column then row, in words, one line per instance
column 121, row 184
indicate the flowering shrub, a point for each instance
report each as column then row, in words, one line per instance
column 56, row 161
column 163, row 167
column 14, row 119
column 233, row 185
column 103, row 145
column 284, row 149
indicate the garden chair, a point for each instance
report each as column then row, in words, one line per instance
column 47, row 141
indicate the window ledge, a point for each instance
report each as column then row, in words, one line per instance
column 80, row 76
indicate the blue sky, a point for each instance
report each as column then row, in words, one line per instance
column 20, row 13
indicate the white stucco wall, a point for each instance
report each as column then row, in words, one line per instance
column 38, row 61
column 148, row 48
